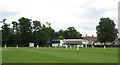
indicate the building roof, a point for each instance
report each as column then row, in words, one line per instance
column 90, row 38
column 116, row 40
column 95, row 39
column 73, row 42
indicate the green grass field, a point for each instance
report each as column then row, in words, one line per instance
column 59, row 55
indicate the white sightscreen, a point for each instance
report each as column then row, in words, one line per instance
column 31, row 44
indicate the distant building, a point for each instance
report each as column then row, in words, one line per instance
column 81, row 42
column 90, row 39
column 70, row 42
column 116, row 41
column 94, row 39
column 75, row 42
column 56, row 42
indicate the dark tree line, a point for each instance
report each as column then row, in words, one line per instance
column 25, row 31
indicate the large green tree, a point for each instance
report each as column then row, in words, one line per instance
column 106, row 31
column 42, row 35
column 37, row 25
column 36, row 35
column 25, row 30
column 72, row 33
column 16, row 36
column 48, row 33
column 7, row 33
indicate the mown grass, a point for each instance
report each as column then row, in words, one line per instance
column 59, row 55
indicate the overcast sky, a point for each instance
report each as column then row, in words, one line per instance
column 84, row 15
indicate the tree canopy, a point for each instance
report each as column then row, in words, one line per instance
column 25, row 31
column 106, row 31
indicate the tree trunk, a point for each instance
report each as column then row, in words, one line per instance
column 104, row 45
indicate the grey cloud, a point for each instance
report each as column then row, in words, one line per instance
column 95, row 13
column 90, row 28
column 5, row 14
